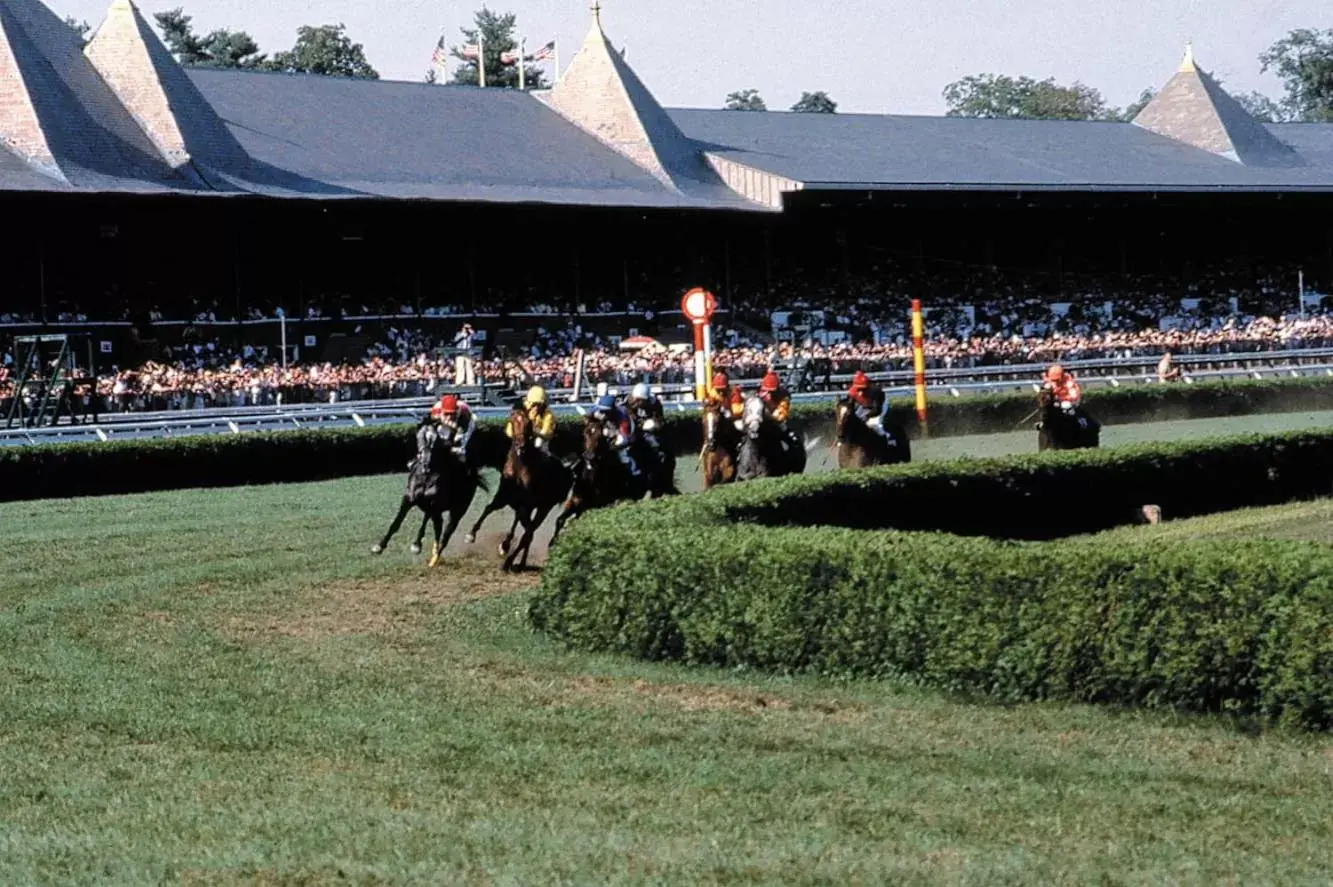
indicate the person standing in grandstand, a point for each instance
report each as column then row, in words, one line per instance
column 871, row 403
column 465, row 372
column 1167, row 371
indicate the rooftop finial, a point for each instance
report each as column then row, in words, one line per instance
column 597, row 11
column 1188, row 63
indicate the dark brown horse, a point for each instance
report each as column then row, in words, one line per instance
column 722, row 443
column 860, row 446
column 532, row 483
column 438, row 482
column 601, row 479
column 1062, row 430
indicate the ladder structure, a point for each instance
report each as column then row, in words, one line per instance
column 45, row 375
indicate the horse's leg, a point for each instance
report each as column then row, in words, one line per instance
column 403, row 509
column 570, row 510
column 538, row 518
column 498, row 501
column 421, row 532
column 508, row 541
column 437, row 518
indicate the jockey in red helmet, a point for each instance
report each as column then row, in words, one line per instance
column 455, row 421
column 777, row 402
column 727, row 395
column 1065, row 388
column 871, row 404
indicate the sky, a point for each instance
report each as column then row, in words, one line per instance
column 871, row 56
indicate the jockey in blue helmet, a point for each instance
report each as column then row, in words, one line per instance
column 618, row 427
column 646, row 410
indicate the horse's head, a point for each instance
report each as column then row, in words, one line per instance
column 752, row 417
column 428, row 435
column 594, row 436
column 845, row 414
column 521, row 425
column 712, row 416
column 1045, row 399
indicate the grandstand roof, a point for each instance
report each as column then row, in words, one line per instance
column 122, row 116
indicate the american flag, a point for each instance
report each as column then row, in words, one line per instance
column 546, row 52
column 437, row 57
column 508, row 58
column 471, row 51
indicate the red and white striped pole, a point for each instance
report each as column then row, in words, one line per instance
column 698, row 305
column 919, row 363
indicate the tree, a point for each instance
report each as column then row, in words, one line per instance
column 219, row 49
column 815, row 103
column 1133, row 108
column 1261, row 107
column 83, row 29
column 495, row 32
column 1303, row 60
column 745, row 100
column 326, row 50
column 998, row 95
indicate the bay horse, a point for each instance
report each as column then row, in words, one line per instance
column 722, row 442
column 532, row 483
column 860, row 446
column 764, row 452
column 1059, row 430
column 601, row 479
column 437, row 482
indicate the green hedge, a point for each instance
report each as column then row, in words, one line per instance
column 290, row 456
column 784, row 575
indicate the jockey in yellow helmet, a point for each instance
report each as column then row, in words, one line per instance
column 543, row 420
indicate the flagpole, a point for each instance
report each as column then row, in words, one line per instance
column 522, row 54
column 557, row 62
column 481, row 60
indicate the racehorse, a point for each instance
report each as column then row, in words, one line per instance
column 532, row 484
column 764, row 452
column 600, row 479
column 859, row 446
column 1060, row 430
column 722, row 443
column 438, row 482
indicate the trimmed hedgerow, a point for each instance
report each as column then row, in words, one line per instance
column 291, row 456
column 784, row 575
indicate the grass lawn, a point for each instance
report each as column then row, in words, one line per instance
column 223, row 687
column 1309, row 521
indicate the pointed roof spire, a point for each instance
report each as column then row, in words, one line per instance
column 602, row 95
column 57, row 113
column 153, row 87
column 1194, row 109
column 1187, row 64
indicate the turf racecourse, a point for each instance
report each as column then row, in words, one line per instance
column 223, row 687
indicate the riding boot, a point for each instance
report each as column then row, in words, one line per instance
column 629, row 463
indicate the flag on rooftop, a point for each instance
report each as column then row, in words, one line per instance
column 471, row 50
column 438, row 56
column 508, row 58
column 546, row 52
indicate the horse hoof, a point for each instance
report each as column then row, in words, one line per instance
column 504, row 547
column 469, row 539
column 377, row 549
column 416, row 548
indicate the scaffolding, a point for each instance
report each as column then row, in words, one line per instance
column 46, row 381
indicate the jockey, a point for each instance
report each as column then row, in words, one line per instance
column 618, row 427
column 646, row 410
column 455, row 421
column 1064, row 387
column 777, row 404
column 543, row 420
column 1067, row 393
column 871, row 404
column 728, row 396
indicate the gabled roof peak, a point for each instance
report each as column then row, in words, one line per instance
column 1187, row 64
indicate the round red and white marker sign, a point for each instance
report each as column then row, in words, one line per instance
column 698, row 305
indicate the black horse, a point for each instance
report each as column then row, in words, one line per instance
column 860, row 446
column 437, row 482
column 765, row 450
column 1063, row 430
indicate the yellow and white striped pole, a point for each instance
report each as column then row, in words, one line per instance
column 919, row 363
